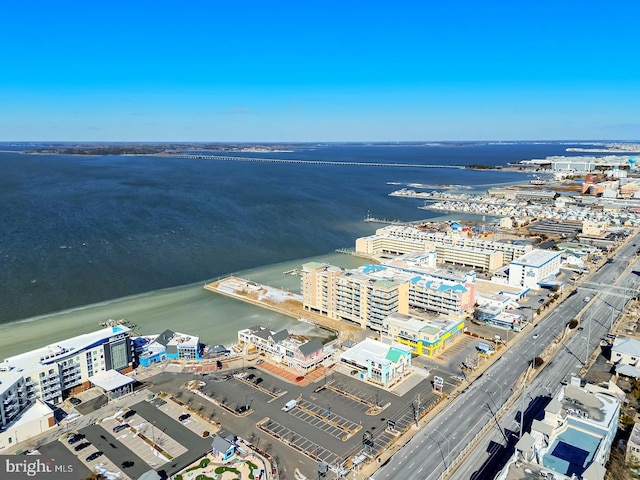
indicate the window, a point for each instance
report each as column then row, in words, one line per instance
column 119, row 355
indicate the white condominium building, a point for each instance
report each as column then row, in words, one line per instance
column 456, row 249
column 534, row 268
column 50, row 373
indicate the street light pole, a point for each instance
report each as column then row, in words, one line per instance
column 612, row 315
column 586, row 347
column 524, row 395
column 499, row 385
column 448, row 443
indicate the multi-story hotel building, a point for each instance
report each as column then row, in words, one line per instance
column 51, row 373
column 535, row 268
column 367, row 295
column 456, row 249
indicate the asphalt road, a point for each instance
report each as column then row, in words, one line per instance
column 455, row 427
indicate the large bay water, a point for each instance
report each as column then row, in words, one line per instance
column 139, row 236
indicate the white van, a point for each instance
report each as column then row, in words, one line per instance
column 290, row 405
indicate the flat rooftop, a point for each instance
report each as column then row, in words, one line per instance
column 536, row 258
column 370, row 349
column 20, row 365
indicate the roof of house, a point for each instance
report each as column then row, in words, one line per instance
column 628, row 371
column 626, row 345
column 595, row 471
column 279, row 336
column 372, row 350
column 220, row 444
column 310, row 347
column 554, row 406
column 165, row 337
column 525, row 444
column 541, row 427
column 394, row 355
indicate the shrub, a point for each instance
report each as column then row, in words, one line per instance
column 205, row 433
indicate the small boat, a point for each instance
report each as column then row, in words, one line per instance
column 538, row 181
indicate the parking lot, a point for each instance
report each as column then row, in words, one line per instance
column 152, row 436
column 299, row 442
column 89, row 454
column 328, row 424
column 323, row 419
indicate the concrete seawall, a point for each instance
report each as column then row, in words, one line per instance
column 280, row 301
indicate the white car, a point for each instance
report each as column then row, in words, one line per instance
column 586, row 299
column 535, row 336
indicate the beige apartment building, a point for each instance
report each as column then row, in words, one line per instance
column 486, row 255
column 366, row 296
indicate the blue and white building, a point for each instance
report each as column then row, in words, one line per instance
column 574, row 438
column 47, row 375
column 379, row 363
column 168, row 345
column 535, row 269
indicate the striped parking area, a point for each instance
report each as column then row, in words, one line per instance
column 100, row 464
column 193, row 423
column 298, row 442
column 325, row 420
column 140, row 438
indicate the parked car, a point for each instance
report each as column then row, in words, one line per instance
column 258, row 381
column 260, row 361
column 129, row 414
column 82, row 446
column 290, row 405
column 183, row 417
column 535, row 336
column 251, row 376
column 93, row 456
column 75, row 401
column 119, row 428
column 74, row 438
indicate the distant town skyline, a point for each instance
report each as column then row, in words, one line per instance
column 333, row 72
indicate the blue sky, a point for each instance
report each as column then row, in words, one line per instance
column 319, row 71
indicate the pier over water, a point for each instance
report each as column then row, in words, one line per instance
column 314, row 162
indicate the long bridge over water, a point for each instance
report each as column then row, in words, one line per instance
column 313, row 162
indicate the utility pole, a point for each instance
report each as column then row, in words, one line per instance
column 611, row 326
column 524, row 396
column 416, row 410
column 586, row 353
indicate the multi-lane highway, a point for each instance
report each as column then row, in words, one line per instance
column 435, row 447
